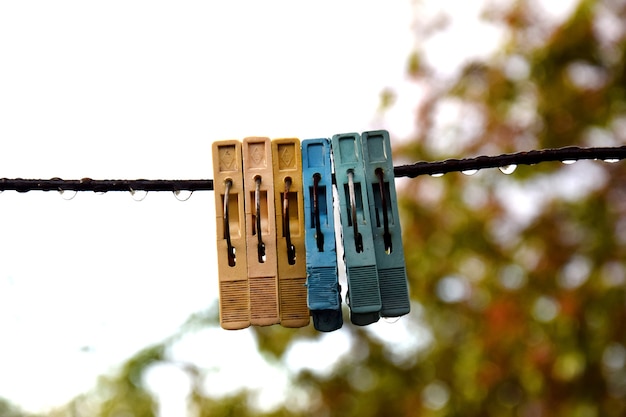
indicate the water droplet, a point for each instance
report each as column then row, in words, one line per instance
column 508, row 169
column 182, row 195
column 138, row 195
column 569, row 161
column 611, row 160
column 437, row 175
column 391, row 320
column 470, row 171
column 67, row 194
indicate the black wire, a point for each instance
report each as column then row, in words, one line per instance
column 571, row 153
column 88, row 184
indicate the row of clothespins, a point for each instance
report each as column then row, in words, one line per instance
column 276, row 242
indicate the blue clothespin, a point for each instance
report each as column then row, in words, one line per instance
column 385, row 223
column 323, row 295
column 363, row 289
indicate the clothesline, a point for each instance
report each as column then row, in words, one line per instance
column 504, row 161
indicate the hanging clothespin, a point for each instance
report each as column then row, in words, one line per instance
column 385, row 223
column 291, row 256
column 324, row 292
column 363, row 290
column 234, row 294
column 258, row 179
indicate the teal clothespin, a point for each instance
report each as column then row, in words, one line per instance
column 385, row 223
column 363, row 289
column 323, row 290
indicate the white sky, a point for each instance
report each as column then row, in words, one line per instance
column 140, row 89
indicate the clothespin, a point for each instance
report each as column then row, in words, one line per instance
column 234, row 294
column 363, row 290
column 258, row 179
column 385, row 223
column 291, row 256
column 324, row 292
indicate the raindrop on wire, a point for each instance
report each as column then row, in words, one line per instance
column 611, row 160
column 569, row 161
column 508, row 169
column 67, row 195
column 391, row 320
column 469, row 172
column 182, row 195
column 437, row 175
column 138, row 195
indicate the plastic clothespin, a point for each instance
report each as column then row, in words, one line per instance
column 324, row 293
column 363, row 290
column 232, row 263
column 385, row 223
column 258, row 180
column 291, row 256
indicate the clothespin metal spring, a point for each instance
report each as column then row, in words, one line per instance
column 319, row 236
column 232, row 259
column 383, row 197
column 257, row 199
column 291, row 249
column 358, row 238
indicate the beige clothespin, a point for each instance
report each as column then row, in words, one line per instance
column 260, row 231
column 230, row 231
column 291, row 254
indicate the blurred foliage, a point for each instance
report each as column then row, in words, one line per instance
column 519, row 280
column 7, row 409
column 125, row 394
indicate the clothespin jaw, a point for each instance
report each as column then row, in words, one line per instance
column 385, row 223
column 324, row 292
column 230, row 233
column 290, row 236
column 363, row 290
column 260, row 231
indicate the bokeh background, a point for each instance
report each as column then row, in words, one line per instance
column 517, row 281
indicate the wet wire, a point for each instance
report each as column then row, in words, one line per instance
column 571, row 153
column 101, row 186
